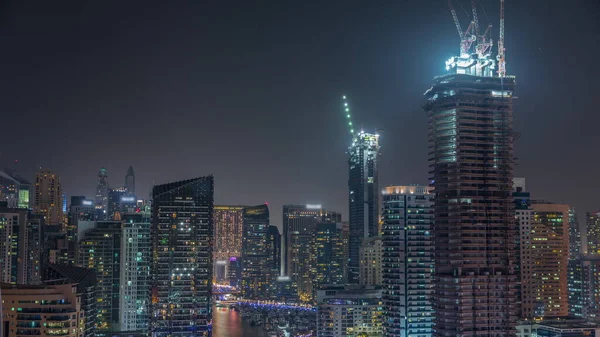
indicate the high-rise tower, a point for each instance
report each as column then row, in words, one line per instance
column 48, row 197
column 181, row 269
column 407, row 262
column 258, row 274
column 363, row 196
column 102, row 194
column 130, row 181
column 471, row 166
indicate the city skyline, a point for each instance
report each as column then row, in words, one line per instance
column 379, row 60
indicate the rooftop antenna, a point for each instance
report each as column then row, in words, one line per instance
column 346, row 110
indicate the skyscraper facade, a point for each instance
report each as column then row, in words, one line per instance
column 593, row 233
column 100, row 249
column 407, row 261
column 48, row 197
column 274, row 240
column 130, row 181
column 102, row 194
column 12, row 221
column 471, row 167
column 181, row 269
column 134, row 299
column 544, row 261
column 330, row 255
column 350, row 310
column 363, row 196
column 303, row 260
column 258, row 277
column 371, row 253
column 298, row 220
column 575, row 247
column 228, row 239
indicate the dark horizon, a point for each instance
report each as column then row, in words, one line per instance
column 252, row 94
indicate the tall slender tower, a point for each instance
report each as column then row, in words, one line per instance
column 102, row 194
column 258, row 274
column 363, row 196
column 130, row 181
column 471, row 166
column 181, row 269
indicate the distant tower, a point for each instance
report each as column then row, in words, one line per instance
column 130, row 181
column 363, row 195
column 48, row 197
column 102, row 194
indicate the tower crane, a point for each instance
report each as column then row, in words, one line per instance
column 467, row 37
column 346, row 110
column 484, row 41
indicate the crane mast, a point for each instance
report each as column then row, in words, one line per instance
column 501, row 56
column 346, row 110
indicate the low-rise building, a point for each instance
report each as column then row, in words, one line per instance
column 52, row 310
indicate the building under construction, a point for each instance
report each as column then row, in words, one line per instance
column 471, row 168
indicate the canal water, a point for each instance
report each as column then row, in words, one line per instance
column 228, row 323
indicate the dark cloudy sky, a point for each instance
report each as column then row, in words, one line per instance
column 249, row 91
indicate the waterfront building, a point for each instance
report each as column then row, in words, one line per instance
column 350, row 310
column 258, row 276
column 181, row 268
column 228, row 239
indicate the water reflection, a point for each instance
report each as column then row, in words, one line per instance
column 228, row 323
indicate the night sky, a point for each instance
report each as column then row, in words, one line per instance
column 250, row 92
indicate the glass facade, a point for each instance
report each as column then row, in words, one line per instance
column 363, row 196
column 258, row 275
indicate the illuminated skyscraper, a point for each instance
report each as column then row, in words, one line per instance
column 371, row 253
column 575, row 247
column 102, row 194
column 350, row 310
column 181, row 269
column 48, row 197
column 228, row 239
column 130, row 181
column 545, row 260
column 363, row 196
column 134, row 299
column 471, row 166
column 407, row 262
column 298, row 220
column 330, row 254
column 100, row 249
column 593, row 233
column 258, row 277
